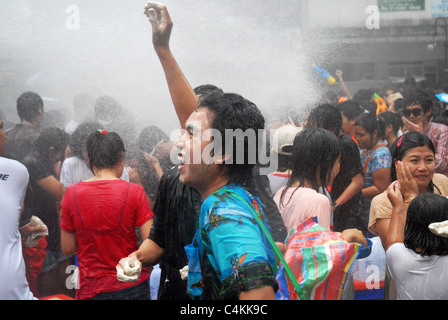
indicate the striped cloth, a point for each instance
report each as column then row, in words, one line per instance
column 320, row 261
column 438, row 133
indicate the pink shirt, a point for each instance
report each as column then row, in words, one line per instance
column 103, row 215
column 300, row 204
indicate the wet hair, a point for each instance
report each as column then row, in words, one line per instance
column 326, row 116
column 399, row 106
column 391, row 118
column 419, row 97
column 314, row 149
column 79, row 137
column 149, row 137
column 410, row 81
column 364, row 98
column 104, row 150
column 54, row 118
column 29, row 105
column 330, row 96
column 283, row 162
column 402, row 145
column 107, row 108
column 206, row 89
column 51, row 137
column 351, row 109
column 231, row 111
column 371, row 123
column 425, row 209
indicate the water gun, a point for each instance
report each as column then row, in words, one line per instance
column 324, row 74
column 380, row 104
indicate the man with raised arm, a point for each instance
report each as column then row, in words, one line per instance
column 177, row 210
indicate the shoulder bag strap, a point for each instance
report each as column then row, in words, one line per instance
column 274, row 246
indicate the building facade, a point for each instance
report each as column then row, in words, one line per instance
column 379, row 41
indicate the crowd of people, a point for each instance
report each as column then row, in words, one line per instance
column 96, row 195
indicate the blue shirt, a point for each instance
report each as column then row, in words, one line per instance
column 234, row 253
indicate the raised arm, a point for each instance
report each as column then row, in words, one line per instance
column 182, row 94
column 343, row 85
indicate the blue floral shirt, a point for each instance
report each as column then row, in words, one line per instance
column 234, row 253
column 381, row 158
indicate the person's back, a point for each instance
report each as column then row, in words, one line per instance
column 301, row 204
column 20, row 141
column 13, row 185
column 104, row 215
column 417, row 245
column 99, row 220
column 417, row 277
column 21, row 138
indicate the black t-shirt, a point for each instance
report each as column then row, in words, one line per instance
column 350, row 167
column 44, row 205
column 20, row 141
column 176, row 213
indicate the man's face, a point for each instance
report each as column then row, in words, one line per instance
column 2, row 139
column 415, row 114
column 194, row 170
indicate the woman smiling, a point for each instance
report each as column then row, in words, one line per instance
column 416, row 151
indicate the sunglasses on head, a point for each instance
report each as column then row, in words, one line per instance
column 415, row 112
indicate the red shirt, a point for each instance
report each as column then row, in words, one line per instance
column 104, row 214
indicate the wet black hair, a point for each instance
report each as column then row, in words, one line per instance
column 371, row 123
column 150, row 136
column 104, row 150
column 314, row 149
column 231, row 111
column 399, row 106
column 206, row 89
column 425, row 209
column 51, row 137
column 79, row 137
column 29, row 105
column 326, row 116
column 350, row 108
column 419, row 97
column 392, row 118
column 107, row 108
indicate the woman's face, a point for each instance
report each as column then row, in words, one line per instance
column 365, row 140
column 421, row 162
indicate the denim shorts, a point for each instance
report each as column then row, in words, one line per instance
column 138, row 292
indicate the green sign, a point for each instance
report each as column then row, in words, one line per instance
column 401, row 5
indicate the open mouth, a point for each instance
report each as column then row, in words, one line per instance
column 181, row 159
